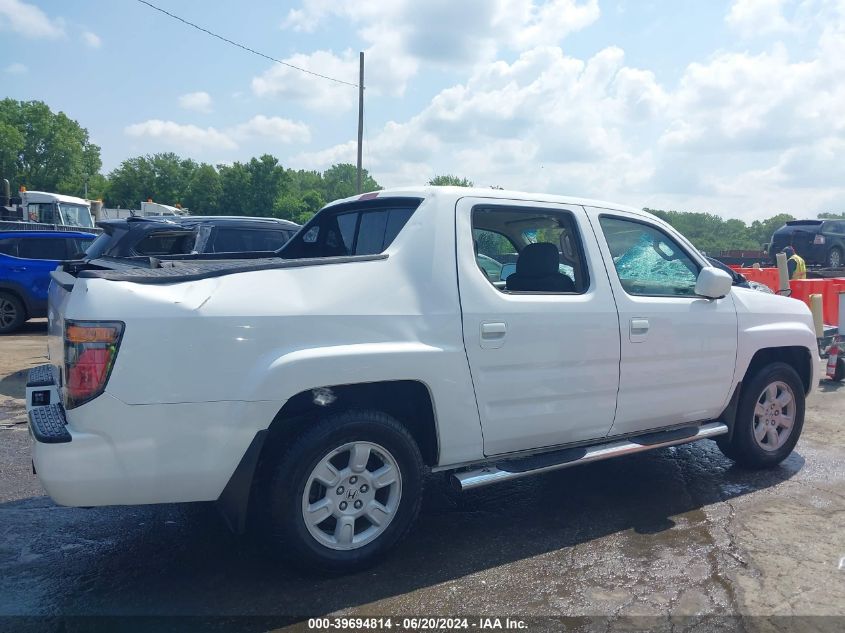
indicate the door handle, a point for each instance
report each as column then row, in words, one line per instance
column 639, row 329
column 493, row 335
column 493, row 331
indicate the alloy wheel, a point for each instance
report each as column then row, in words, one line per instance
column 352, row 495
column 774, row 416
column 8, row 313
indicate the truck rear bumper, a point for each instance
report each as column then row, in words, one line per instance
column 119, row 454
column 42, row 387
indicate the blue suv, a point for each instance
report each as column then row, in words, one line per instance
column 26, row 260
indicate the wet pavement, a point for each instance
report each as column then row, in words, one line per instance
column 647, row 541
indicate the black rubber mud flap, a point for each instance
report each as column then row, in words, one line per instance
column 233, row 502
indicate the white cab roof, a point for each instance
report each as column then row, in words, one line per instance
column 493, row 194
column 43, row 196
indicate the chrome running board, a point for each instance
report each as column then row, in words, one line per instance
column 545, row 462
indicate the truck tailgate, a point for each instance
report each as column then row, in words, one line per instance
column 57, row 298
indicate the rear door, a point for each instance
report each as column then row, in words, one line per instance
column 38, row 256
column 678, row 350
column 544, row 362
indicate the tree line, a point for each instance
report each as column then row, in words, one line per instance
column 45, row 150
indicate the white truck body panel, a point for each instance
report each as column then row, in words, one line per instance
column 204, row 365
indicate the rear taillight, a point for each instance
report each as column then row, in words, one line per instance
column 90, row 350
column 819, row 239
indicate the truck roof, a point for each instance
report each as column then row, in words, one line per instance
column 481, row 192
column 44, row 196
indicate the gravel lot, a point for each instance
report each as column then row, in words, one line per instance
column 646, row 541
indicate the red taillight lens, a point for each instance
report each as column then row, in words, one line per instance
column 819, row 239
column 90, row 350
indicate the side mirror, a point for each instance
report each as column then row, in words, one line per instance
column 713, row 283
column 507, row 271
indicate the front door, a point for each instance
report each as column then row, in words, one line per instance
column 540, row 325
column 678, row 349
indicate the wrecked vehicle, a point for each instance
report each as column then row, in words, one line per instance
column 310, row 391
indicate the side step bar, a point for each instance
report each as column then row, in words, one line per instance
column 515, row 469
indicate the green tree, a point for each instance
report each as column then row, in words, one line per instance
column 339, row 181
column 163, row 177
column 204, row 195
column 42, row 149
column 448, row 180
column 268, row 181
column 761, row 231
column 235, row 180
column 831, row 216
column 11, row 146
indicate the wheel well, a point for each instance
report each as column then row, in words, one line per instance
column 408, row 401
column 799, row 358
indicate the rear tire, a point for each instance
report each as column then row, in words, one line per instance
column 12, row 313
column 345, row 492
column 769, row 418
column 834, row 257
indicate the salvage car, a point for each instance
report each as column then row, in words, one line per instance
column 177, row 236
column 818, row 242
column 313, row 389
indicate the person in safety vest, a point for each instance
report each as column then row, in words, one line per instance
column 795, row 264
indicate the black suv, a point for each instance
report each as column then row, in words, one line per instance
column 818, row 242
column 166, row 237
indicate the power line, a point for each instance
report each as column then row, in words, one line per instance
column 246, row 48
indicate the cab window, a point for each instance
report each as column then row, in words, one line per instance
column 367, row 229
column 535, row 250
column 647, row 260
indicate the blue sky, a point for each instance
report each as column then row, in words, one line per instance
column 728, row 106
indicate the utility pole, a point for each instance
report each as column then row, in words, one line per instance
column 360, row 114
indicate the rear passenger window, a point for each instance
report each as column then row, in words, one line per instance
column 43, row 248
column 166, row 243
column 360, row 230
column 529, row 250
column 9, row 246
column 649, row 262
column 238, row 240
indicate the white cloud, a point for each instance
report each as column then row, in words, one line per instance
column 186, row 137
column 743, row 134
column 403, row 35
column 192, row 139
column 273, row 128
column 16, row 68
column 545, row 120
column 196, row 101
column 92, row 39
column 27, row 20
column 292, row 85
column 758, row 17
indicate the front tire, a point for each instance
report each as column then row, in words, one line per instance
column 769, row 418
column 345, row 492
column 12, row 313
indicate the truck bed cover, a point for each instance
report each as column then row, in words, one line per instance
column 170, row 272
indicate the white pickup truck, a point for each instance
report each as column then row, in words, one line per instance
column 490, row 334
